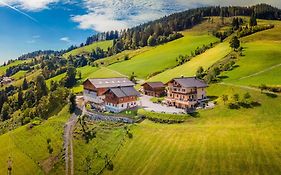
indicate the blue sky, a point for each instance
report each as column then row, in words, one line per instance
column 29, row 25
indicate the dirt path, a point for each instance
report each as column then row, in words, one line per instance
column 260, row 72
column 68, row 147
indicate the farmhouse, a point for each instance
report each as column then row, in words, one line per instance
column 186, row 92
column 156, row 89
column 111, row 94
column 5, row 80
column 121, row 98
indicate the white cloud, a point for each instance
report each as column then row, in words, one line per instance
column 30, row 5
column 104, row 15
column 65, row 39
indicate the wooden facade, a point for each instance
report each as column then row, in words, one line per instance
column 112, row 98
column 183, row 96
column 113, row 94
column 89, row 86
column 155, row 89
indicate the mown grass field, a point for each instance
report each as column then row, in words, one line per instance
column 109, row 136
column 28, row 147
column 259, row 56
column 163, row 56
column 87, row 49
column 261, row 63
column 205, row 60
column 220, row 141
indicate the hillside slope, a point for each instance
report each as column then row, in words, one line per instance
column 261, row 63
column 27, row 147
column 220, row 141
column 164, row 56
column 89, row 48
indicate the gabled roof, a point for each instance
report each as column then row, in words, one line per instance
column 111, row 82
column 124, row 91
column 190, row 82
column 155, row 84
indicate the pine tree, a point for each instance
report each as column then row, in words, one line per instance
column 253, row 20
column 24, row 84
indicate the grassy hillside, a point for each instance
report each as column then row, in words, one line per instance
column 4, row 68
column 163, row 56
column 19, row 75
column 87, row 72
column 27, row 147
column 107, row 140
column 262, row 60
column 220, row 141
column 205, row 60
column 87, row 49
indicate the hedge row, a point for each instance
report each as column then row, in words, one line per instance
column 162, row 117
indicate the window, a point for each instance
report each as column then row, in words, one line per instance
column 122, row 105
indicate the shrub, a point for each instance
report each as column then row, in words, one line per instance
column 110, row 165
column 233, row 106
column 163, row 118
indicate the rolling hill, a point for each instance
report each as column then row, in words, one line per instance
column 217, row 141
column 28, row 147
column 88, row 49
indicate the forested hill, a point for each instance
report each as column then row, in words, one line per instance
column 159, row 31
column 165, row 29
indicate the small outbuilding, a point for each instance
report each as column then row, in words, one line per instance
column 155, row 89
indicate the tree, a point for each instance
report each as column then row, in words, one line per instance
column 53, row 85
column 253, row 20
column 247, row 96
column 41, row 87
column 225, row 98
column 200, row 72
column 20, row 98
column 24, row 84
column 235, row 43
column 151, row 40
column 236, row 97
column 133, row 77
column 72, row 103
column 70, row 79
column 5, row 112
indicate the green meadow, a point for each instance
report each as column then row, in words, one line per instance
column 4, row 68
column 220, row 141
column 27, row 147
column 87, row 49
column 205, row 60
column 261, row 63
column 164, row 56
column 19, row 75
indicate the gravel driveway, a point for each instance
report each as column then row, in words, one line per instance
column 149, row 106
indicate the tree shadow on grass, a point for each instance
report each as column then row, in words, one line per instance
column 195, row 114
column 213, row 98
column 271, row 95
column 223, row 77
